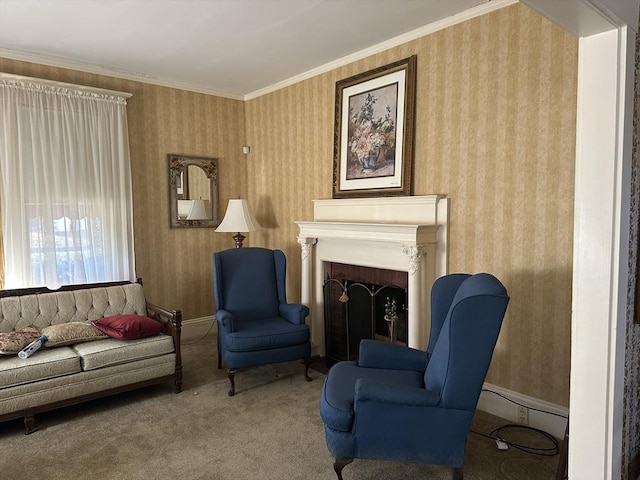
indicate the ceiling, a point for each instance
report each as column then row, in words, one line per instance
column 233, row 48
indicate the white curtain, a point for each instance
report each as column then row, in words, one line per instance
column 66, row 184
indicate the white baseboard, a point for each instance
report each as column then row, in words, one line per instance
column 548, row 422
column 196, row 328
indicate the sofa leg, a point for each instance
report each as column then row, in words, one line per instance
column 307, row 363
column 456, row 473
column 339, row 464
column 231, row 374
column 177, row 379
column 29, row 424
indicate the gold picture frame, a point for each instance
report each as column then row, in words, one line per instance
column 374, row 131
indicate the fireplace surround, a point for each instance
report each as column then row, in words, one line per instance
column 406, row 234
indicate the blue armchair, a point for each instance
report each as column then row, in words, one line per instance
column 256, row 325
column 402, row 404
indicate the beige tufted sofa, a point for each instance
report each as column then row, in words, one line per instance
column 61, row 376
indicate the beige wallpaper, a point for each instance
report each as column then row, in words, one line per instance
column 631, row 397
column 496, row 101
column 495, row 132
column 175, row 264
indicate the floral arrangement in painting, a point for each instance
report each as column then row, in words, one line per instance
column 371, row 136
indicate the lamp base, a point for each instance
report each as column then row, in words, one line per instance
column 239, row 238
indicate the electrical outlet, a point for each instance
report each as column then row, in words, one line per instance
column 523, row 415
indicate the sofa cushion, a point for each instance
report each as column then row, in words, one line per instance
column 111, row 351
column 42, row 365
column 34, row 394
column 128, row 327
column 70, row 333
column 12, row 342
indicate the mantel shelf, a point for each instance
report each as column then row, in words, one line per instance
column 381, row 232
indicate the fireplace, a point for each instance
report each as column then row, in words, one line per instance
column 362, row 303
column 401, row 234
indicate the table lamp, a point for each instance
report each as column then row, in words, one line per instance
column 238, row 218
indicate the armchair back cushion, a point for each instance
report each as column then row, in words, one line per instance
column 442, row 293
column 464, row 346
column 255, row 269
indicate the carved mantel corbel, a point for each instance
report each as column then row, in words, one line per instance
column 306, row 243
column 415, row 254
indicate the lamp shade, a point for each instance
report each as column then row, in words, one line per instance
column 198, row 210
column 238, row 218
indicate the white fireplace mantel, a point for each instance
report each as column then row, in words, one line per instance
column 394, row 233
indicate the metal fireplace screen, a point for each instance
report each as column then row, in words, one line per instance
column 356, row 308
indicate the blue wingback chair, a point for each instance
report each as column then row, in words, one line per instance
column 402, row 404
column 256, row 325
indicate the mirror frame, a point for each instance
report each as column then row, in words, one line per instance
column 178, row 168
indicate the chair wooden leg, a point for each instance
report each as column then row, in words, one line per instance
column 456, row 473
column 231, row 373
column 339, row 464
column 307, row 362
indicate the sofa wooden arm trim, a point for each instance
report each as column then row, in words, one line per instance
column 172, row 319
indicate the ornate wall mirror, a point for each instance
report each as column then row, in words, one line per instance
column 193, row 191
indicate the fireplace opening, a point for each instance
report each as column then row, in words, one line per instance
column 362, row 303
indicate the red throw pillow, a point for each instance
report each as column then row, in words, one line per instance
column 128, row 327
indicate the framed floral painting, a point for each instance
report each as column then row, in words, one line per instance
column 373, row 138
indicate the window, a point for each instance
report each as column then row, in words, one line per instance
column 65, row 176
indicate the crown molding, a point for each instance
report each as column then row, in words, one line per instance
column 97, row 70
column 482, row 9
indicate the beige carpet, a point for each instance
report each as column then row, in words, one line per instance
column 271, row 429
